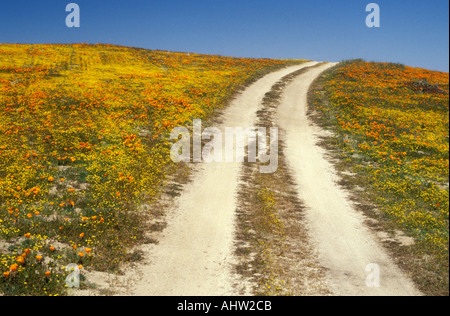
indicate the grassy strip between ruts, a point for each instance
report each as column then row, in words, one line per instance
column 389, row 141
column 272, row 241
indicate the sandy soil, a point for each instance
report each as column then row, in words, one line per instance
column 346, row 247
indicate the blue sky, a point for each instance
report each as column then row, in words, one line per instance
column 412, row 32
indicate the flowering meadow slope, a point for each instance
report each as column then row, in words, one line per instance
column 391, row 125
column 83, row 145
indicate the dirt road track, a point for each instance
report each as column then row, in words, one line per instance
column 195, row 254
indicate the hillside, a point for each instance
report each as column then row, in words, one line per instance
column 84, row 150
column 87, row 182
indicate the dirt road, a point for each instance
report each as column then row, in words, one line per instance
column 195, row 252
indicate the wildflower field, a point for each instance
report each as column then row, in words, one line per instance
column 391, row 128
column 84, row 147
